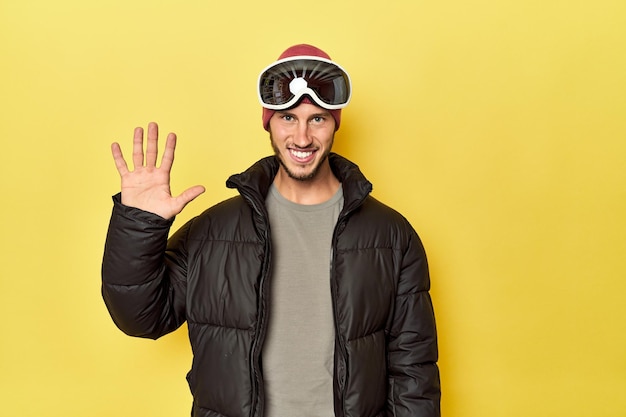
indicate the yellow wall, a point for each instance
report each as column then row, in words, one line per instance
column 497, row 127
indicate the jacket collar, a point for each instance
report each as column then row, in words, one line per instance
column 255, row 182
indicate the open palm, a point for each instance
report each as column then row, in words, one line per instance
column 147, row 187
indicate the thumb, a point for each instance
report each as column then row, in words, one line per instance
column 189, row 195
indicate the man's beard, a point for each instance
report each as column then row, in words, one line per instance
column 293, row 175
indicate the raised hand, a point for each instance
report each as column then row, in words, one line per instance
column 147, row 187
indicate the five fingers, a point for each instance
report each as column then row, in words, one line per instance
column 150, row 161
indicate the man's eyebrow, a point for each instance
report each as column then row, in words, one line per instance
column 288, row 113
column 323, row 113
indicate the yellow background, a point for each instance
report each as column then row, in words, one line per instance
column 497, row 127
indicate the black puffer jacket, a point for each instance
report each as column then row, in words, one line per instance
column 214, row 274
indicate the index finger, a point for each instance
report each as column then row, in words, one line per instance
column 168, row 153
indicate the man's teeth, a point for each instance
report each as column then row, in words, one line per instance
column 301, row 154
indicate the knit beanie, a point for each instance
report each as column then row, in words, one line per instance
column 301, row 50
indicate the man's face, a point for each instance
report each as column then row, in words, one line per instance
column 302, row 138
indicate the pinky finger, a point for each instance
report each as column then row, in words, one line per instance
column 118, row 158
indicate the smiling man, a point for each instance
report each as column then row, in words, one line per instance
column 302, row 138
column 304, row 295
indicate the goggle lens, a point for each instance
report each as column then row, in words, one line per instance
column 283, row 83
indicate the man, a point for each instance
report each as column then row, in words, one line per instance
column 274, row 330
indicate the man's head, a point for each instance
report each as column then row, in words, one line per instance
column 303, row 73
column 302, row 138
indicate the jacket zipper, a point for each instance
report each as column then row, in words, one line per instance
column 341, row 373
column 341, row 224
column 261, row 322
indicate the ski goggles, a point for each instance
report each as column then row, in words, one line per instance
column 283, row 83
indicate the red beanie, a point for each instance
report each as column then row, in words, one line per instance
column 301, row 50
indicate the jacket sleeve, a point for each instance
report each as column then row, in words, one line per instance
column 143, row 284
column 412, row 344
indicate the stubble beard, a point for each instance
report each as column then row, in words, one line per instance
column 293, row 175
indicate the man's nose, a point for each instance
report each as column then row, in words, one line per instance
column 302, row 136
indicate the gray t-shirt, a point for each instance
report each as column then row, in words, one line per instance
column 298, row 351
